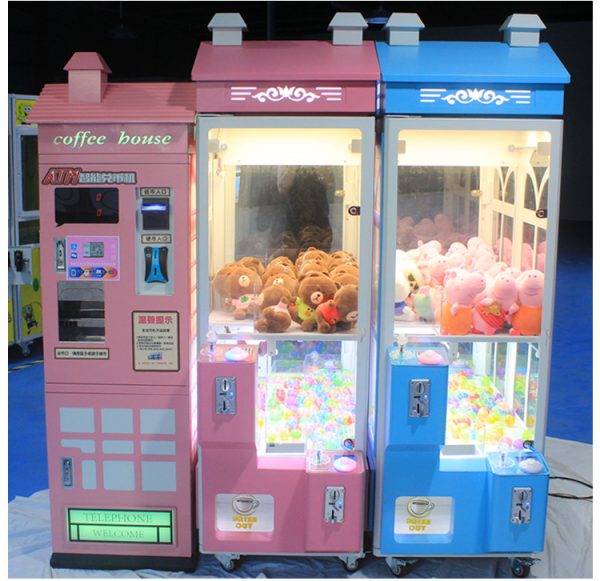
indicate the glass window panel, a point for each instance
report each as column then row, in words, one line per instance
column 457, row 216
column 283, row 204
column 29, row 172
column 540, row 255
column 29, row 232
column 544, row 197
column 530, row 193
column 306, row 397
column 489, row 390
column 81, row 311
column 509, row 196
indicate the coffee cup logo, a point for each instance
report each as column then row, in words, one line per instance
column 419, row 506
column 245, row 504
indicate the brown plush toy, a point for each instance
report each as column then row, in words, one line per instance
column 344, row 269
column 312, row 266
column 242, row 286
column 340, row 257
column 339, row 313
column 314, row 289
column 289, row 282
column 253, row 263
column 279, row 268
column 275, row 319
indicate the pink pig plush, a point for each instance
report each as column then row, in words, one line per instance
column 498, row 306
column 460, row 292
column 528, row 319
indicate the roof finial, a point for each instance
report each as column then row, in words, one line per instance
column 227, row 29
column 403, row 28
column 347, row 28
column 522, row 30
column 88, row 74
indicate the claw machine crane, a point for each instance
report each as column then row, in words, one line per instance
column 469, row 221
column 24, row 281
column 117, row 200
column 285, row 192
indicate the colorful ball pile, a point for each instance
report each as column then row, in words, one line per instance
column 317, row 407
column 477, row 413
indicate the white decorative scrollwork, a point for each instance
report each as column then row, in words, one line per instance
column 295, row 94
column 483, row 96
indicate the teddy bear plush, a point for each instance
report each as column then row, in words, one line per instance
column 315, row 288
column 339, row 258
column 309, row 266
column 219, row 280
column 253, row 263
column 242, row 286
column 273, row 302
column 339, row 313
column 289, row 282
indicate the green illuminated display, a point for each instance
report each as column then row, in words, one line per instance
column 120, row 526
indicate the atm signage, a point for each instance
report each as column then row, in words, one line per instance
column 72, row 176
column 120, row 526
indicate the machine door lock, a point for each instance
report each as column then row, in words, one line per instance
column 226, row 392
column 334, row 504
column 419, row 394
column 521, row 506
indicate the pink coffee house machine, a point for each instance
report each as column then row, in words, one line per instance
column 285, row 143
column 117, row 201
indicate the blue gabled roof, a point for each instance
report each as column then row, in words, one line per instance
column 459, row 62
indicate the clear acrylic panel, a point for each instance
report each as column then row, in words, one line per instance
column 284, row 211
column 306, row 397
column 468, row 213
column 492, row 394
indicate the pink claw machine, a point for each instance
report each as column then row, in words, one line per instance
column 285, row 203
column 116, row 201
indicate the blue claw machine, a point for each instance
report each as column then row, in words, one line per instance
column 462, row 325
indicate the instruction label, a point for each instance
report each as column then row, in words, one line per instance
column 62, row 353
column 155, row 341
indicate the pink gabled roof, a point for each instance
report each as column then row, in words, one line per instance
column 87, row 61
column 287, row 60
column 122, row 102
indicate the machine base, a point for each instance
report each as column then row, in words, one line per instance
column 80, row 561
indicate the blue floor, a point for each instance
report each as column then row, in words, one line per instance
column 570, row 405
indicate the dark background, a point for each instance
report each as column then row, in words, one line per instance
column 157, row 41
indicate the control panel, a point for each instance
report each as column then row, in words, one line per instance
column 154, row 241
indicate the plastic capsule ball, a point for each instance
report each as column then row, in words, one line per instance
column 509, row 420
column 296, row 434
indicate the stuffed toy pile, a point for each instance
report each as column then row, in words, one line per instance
column 319, row 291
column 466, row 288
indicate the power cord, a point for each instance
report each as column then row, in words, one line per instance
column 528, row 444
column 568, row 496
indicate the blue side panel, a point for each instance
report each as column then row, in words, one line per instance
column 416, row 473
column 473, row 99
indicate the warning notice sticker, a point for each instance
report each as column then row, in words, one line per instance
column 155, row 341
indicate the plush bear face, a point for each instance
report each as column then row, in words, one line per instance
column 346, row 301
column 243, row 281
column 315, row 289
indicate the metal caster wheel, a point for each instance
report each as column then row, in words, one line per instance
column 351, row 565
column 398, row 567
column 228, row 561
column 25, row 351
column 520, row 569
column 229, row 565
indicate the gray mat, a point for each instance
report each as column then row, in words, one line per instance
column 567, row 553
